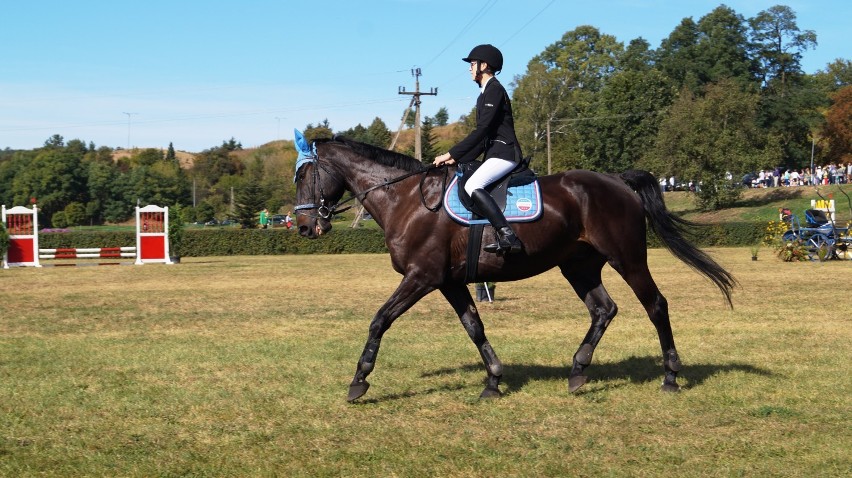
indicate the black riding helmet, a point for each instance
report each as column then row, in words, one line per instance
column 487, row 53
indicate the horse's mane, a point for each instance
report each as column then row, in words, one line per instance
column 379, row 155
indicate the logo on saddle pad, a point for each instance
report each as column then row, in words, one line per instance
column 523, row 204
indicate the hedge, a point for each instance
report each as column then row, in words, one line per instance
column 231, row 241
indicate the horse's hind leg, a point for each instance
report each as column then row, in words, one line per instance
column 585, row 278
column 638, row 277
column 459, row 297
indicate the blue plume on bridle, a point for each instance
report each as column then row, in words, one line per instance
column 307, row 153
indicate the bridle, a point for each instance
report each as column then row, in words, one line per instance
column 326, row 211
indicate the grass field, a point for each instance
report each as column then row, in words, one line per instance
column 239, row 366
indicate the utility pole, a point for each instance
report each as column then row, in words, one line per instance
column 415, row 101
column 128, row 128
column 278, row 136
column 415, row 72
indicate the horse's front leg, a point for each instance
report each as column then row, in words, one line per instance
column 459, row 297
column 409, row 291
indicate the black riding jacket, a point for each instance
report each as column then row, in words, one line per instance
column 495, row 128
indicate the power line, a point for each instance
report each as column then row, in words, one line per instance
column 528, row 23
column 507, row 40
column 488, row 4
column 594, row 118
column 208, row 116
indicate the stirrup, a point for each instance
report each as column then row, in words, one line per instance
column 507, row 243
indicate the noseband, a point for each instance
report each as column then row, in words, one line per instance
column 325, row 211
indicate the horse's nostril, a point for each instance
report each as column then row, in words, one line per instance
column 304, row 230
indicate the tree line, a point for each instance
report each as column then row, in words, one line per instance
column 724, row 94
column 719, row 97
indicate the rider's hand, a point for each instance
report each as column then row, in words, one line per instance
column 444, row 159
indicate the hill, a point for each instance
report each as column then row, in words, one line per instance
column 757, row 205
column 185, row 158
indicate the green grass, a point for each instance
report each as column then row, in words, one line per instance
column 239, row 366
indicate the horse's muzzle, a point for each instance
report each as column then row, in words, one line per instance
column 314, row 231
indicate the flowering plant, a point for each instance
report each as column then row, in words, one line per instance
column 792, row 251
column 789, row 249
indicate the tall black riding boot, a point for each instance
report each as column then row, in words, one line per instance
column 507, row 241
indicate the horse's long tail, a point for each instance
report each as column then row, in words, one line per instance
column 671, row 230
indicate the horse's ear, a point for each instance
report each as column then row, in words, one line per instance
column 301, row 143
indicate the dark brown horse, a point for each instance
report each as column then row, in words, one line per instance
column 589, row 219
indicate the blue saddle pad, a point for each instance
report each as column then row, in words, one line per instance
column 523, row 204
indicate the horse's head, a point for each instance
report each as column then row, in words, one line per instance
column 318, row 188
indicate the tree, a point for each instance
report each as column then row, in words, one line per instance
column 211, row 164
column 170, row 153
column 559, row 88
column 442, row 116
column 707, row 137
column 723, row 48
column 75, row 214
column 55, row 176
column 624, row 120
column 55, row 141
column 408, row 114
column 102, row 179
column 250, row 201
column 427, row 141
column 357, row 133
column 836, row 75
column 637, row 56
column 838, row 127
column 677, row 54
column 378, row 133
column 321, row 130
column 716, row 47
column 232, row 145
column 147, row 157
column 779, row 44
column 790, row 102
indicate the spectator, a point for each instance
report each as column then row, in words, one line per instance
column 264, row 218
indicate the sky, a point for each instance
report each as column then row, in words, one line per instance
column 123, row 73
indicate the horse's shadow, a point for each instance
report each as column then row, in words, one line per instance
column 632, row 370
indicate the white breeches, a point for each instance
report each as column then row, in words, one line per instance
column 493, row 169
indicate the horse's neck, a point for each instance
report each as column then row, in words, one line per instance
column 364, row 175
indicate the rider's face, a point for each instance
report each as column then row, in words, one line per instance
column 474, row 74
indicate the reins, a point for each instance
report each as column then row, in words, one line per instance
column 325, row 212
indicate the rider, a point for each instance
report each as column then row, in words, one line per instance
column 495, row 136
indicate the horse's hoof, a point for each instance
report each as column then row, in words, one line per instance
column 357, row 390
column 670, row 387
column 490, row 393
column 577, row 381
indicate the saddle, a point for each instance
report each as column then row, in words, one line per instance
column 518, row 195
